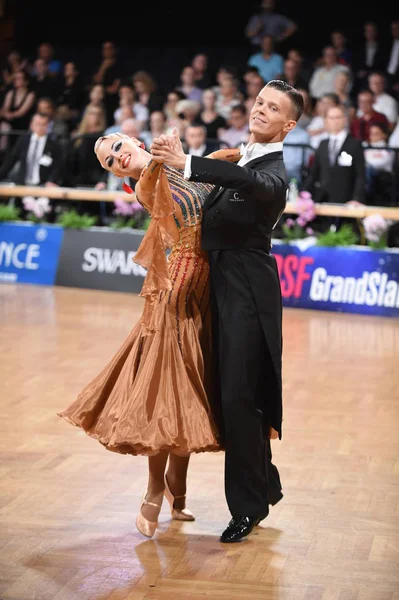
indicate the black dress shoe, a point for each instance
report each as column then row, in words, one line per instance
column 239, row 528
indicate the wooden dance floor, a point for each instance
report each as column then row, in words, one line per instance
column 68, row 506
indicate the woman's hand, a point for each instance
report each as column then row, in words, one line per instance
column 169, row 150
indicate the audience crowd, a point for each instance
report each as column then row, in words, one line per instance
column 344, row 149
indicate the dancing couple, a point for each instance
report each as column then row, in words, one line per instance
column 201, row 369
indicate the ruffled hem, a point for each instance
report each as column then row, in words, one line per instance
column 151, row 396
column 143, row 450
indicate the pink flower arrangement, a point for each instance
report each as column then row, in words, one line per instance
column 37, row 208
column 297, row 228
column 126, row 209
column 375, row 229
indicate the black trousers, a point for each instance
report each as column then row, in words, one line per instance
column 243, row 372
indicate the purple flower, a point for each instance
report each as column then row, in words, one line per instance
column 301, row 221
column 290, row 223
column 309, row 231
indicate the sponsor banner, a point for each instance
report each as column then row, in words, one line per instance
column 352, row 280
column 29, row 253
column 101, row 258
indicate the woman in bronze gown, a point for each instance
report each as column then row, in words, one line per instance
column 153, row 396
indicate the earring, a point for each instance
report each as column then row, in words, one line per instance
column 126, row 186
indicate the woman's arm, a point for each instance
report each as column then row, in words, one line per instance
column 230, row 154
column 145, row 187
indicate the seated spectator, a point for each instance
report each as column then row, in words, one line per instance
column 146, row 91
column 127, row 97
column 292, row 74
column 339, row 41
column 342, row 88
column 383, row 102
column 187, row 112
column 71, row 97
column 360, row 125
column 202, row 78
column 209, row 117
column 57, row 128
column 379, row 166
column 17, row 110
column 46, row 52
column 195, row 142
column 322, row 80
column 187, row 84
column 169, row 108
column 229, row 96
column 269, row 63
column 82, row 167
column 43, row 83
column 157, row 128
column 238, row 131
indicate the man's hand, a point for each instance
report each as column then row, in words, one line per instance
column 168, row 149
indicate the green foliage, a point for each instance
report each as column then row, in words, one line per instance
column 9, row 213
column 344, row 236
column 296, row 232
column 73, row 220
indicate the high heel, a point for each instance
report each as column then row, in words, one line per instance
column 178, row 514
column 144, row 526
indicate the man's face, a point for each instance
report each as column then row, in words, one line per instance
column 118, row 154
column 195, row 137
column 271, row 117
column 335, row 120
column 39, row 125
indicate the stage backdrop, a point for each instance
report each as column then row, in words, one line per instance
column 347, row 279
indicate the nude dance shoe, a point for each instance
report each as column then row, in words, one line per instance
column 145, row 527
column 178, row 514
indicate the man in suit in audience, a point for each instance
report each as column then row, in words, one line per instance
column 195, row 142
column 35, row 159
column 337, row 174
column 39, row 156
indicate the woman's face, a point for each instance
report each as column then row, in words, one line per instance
column 119, row 154
column 19, row 79
column 97, row 94
column 208, row 99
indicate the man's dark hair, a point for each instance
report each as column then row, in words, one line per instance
column 295, row 96
column 42, row 115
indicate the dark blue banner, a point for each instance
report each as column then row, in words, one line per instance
column 352, row 280
column 29, row 253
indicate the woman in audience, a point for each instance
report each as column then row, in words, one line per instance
column 146, row 91
column 17, row 109
column 209, row 117
column 169, row 108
